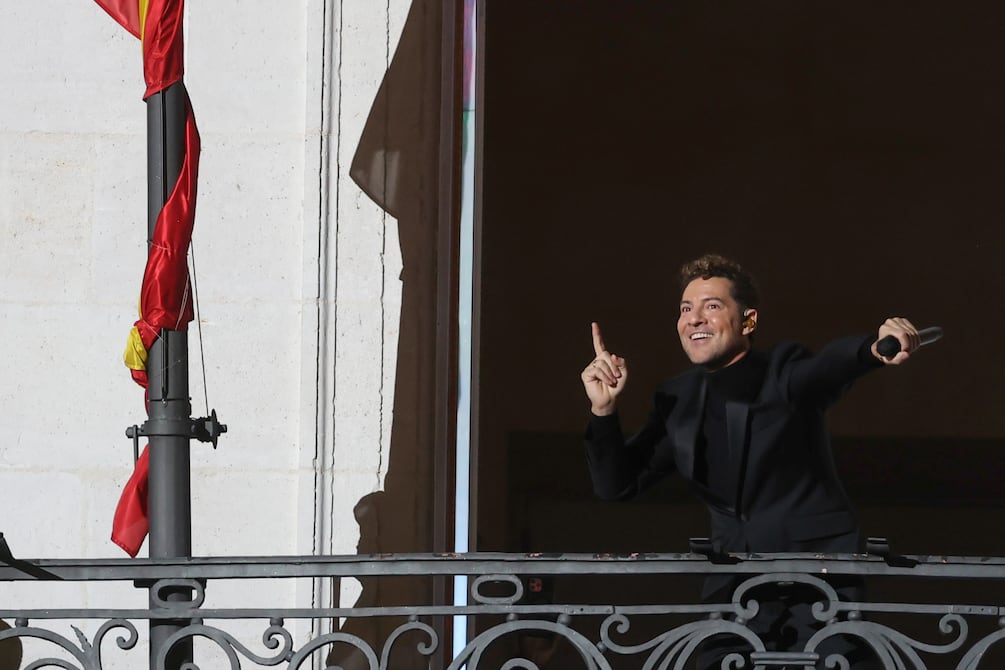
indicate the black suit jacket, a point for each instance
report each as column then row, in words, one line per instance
column 788, row 495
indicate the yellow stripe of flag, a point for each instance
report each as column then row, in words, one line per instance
column 144, row 6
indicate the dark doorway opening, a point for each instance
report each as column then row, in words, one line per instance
column 850, row 154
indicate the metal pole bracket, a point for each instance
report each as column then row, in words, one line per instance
column 205, row 429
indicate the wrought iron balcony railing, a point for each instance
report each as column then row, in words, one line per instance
column 523, row 611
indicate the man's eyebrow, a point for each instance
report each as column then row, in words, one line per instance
column 704, row 299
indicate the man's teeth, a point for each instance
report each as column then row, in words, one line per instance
column 700, row 336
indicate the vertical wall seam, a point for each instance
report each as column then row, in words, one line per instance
column 383, row 269
column 335, row 219
column 324, row 591
column 319, row 357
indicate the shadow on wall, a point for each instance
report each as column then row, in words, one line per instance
column 10, row 650
column 395, row 165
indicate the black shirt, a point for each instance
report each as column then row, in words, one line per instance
column 739, row 382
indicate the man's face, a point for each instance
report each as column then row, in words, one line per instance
column 712, row 326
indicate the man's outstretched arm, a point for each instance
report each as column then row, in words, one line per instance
column 824, row 376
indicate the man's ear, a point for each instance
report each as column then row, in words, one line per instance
column 749, row 321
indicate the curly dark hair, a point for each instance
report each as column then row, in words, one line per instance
column 744, row 290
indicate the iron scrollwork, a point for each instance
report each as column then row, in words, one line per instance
column 86, row 653
column 593, row 635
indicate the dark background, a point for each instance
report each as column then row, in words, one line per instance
column 849, row 154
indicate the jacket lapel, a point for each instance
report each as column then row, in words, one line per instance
column 737, row 414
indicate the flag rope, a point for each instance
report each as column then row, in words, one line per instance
column 198, row 322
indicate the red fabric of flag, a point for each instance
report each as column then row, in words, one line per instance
column 161, row 32
column 126, row 12
column 163, row 53
column 131, row 524
column 165, row 300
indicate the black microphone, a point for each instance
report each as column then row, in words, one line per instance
column 889, row 346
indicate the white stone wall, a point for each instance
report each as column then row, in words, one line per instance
column 297, row 276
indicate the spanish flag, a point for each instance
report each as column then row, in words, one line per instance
column 157, row 23
column 165, row 299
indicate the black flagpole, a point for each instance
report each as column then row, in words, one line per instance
column 169, row 405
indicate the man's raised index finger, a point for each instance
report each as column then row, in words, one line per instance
column 598, row 341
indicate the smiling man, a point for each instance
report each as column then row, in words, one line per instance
column 714, row 326
column 747, row 430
